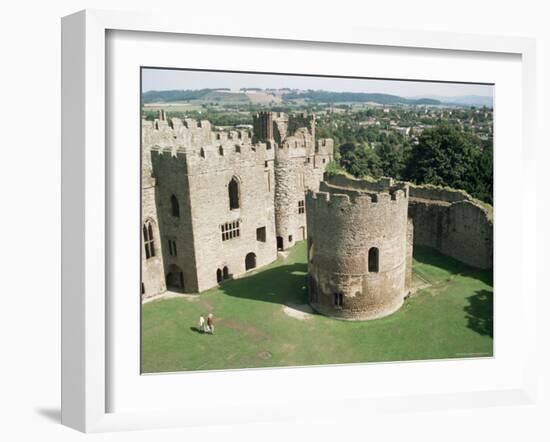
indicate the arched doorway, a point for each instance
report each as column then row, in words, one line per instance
column 225, row 272
column 174, row 279
column 250, row 261
column 219, row 276
column 279, row 243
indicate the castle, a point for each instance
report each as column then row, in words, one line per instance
column 360, row 245
column 216, row 204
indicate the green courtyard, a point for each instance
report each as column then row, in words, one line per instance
column 449, row 316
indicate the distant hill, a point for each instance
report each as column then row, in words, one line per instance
column 256, row 95
column 356, row 97
column 464, row 100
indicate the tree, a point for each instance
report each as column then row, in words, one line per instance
column 447, row 156
column 359, row 160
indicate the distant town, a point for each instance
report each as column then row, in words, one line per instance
column 372, row 119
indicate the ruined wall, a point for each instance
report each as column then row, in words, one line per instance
column 454, row 223
column 344, row 223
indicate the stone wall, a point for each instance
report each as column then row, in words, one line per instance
column 170, row 171
column 454, row 223
column 344, row 223
column 152, row 268
column 193, row 163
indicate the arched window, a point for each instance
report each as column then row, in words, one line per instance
column 225, row 272
column 202, row 153
column 373, row 259
column 233, row 194
column 220, row 150
column 250, row 261
column 219, row 277
column 148, row 240
column 175, row 206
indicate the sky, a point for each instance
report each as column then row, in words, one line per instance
column 169, row 79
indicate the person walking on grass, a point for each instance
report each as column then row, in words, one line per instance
column 201, row 324
column 210, row 323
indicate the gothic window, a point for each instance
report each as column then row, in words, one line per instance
column 233, row 190
column 373, row 259
column 175, row 206
column 148, row 240
column 301, row 207
column 231, row 230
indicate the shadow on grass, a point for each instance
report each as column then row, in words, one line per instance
column 287, row 283
column 479, row 312
column 282, row 284
column 429, row 256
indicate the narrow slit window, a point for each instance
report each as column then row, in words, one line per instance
column 373, row 259
column 175, row 206
column 233, row 190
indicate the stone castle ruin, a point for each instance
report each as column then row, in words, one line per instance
column 359, row 248
column 219, row 203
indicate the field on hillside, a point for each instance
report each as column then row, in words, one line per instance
column 450, row 317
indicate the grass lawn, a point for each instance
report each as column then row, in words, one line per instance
column 452, row 317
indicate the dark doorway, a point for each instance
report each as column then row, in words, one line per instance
column 250, row 261
column 225, row 272
column 174, row 279
column 279, row 243
column 219, row 276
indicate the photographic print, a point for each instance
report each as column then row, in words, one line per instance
column 296, row 220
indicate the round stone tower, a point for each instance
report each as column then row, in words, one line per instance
column 358, row 247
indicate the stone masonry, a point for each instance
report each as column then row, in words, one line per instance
column 222, row 202
column 219, row 203
column 359, row 247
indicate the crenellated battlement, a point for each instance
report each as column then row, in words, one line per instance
column 336, row 198
column 384, row 191
column 189, row 134
column 214, row 157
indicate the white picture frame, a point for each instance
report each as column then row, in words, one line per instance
column 86, row 357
